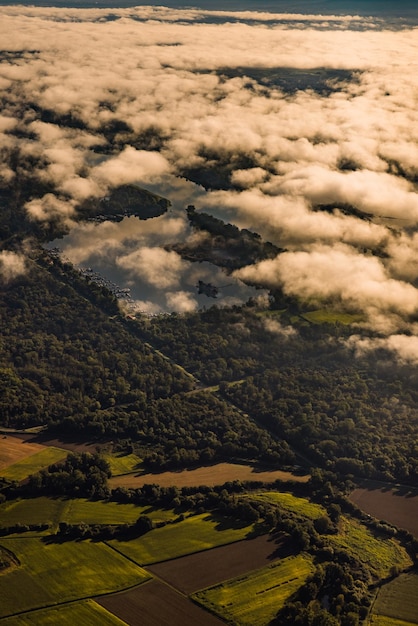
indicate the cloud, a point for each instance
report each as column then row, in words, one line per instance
column 339, row 276
column 273, row 326
column 404, row 347
column 155, row 266
column 181, row 302
column 12, row 265
column 289, row 221
column 49, row 207
column 131, row 166
column 318, row 110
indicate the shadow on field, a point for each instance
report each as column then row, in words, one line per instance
column 226, row 523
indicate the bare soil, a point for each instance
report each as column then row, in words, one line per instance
column 14, row 449
column 204, row 569
column 395, row 505
column 71, row 446
column 211, row 475
column 156, row 604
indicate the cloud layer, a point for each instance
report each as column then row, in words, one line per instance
column 91, row 102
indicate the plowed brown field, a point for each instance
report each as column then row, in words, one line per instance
column 393, row 505
column 156, row 604
column 204, row 569
column 14, row 449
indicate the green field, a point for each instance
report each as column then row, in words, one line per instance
column 85, row 613
column 398, row 600
column 382, row 620
column 102, row 512
column 292, row 503
column 322, row 316
column 41, row 510
column 379, row 554
column 195, row 533
column 34, row 463
column 255, row 598
column 74, row 511
column 123, row 463
column 60, row 572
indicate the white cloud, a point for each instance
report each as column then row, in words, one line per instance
column 155, row 266
column 131, row 166
column 158, row 72
column 181, row 301
column 12, row 265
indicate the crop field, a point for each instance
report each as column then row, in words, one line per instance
column 398, row 599
column 382, row 620
column 322, row 316
column 379, row 554
column 59, row 572
column 45, row 510
column 100, row 512
column 154, row 604
column 254, row 598
column 198, row 571
column 41, row 510
column 14, row 449
column 122, row 463
column 195, row 533
column 389, row 505
column 85, row 613
column 293, row 503
column 33, row 463
column 211, row 475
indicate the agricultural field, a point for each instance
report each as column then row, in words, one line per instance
column 323, row 316
column 101, row 512
column 193, row 534
column 295, row 504
column 380, row 555
column 14, row 449
column 123, row 463
column 394, row 506
column 204, row 569
column 40, row 510
column 253, row 599
column 154, row 604
column 85, row 613
column 397, row 600
column 382, row 620
column 50, row 573
column 33, row 463
column 44, row 510
column 211, row 475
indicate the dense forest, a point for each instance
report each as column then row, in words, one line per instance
column 280, row 389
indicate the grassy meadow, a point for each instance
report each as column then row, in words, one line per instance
column 323, row 316
column 382, row 620
column 44, row 510
column 40, row 510
column 193, row 534
column 85, row 613
column 123, row 463
column 255, row 598
column 397, row 600
column 378, row 553
column 301, row 506
column 50, row 573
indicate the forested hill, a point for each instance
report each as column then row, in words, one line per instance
column 277, row 393
column 349, row 414
column 71, row 362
